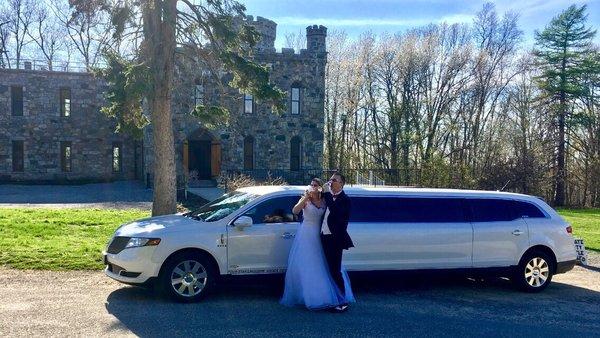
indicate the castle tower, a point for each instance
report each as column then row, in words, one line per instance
column 268, row 32
column 315, row 38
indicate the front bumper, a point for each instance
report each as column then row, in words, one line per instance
column 131, row 266
column 562, row 267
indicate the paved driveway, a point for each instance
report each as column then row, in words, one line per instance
column 89, row 304
column 121, row 194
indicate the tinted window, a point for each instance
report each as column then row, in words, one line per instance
column 404, row 209
column 295, row 100
column 295, row 144
column 249, row 153
column 65, row 102
column 18, row 156
column 248, row 104
column 16, row 94
column 492, row 210
column 65, row 156
column 117, row 157
column 526, row 209
column 275, row 210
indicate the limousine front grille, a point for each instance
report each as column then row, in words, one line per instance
column 117, row 244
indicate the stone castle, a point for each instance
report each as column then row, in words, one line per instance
column 52, row 130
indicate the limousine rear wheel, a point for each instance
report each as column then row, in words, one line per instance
column 187, row 277
column 534, row 272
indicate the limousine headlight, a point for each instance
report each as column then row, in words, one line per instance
column 135, row 242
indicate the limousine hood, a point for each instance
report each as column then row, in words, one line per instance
column 153, row 226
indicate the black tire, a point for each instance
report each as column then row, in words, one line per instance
column 188, row 277
column 534, row 272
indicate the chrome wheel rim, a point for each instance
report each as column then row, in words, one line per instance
column 537, row 272
column 188, row 278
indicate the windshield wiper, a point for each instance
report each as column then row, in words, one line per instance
column 192, row 216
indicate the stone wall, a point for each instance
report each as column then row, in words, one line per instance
column 42, row 128
column 272, row 133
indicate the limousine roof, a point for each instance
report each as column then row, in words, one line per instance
column 367, row 190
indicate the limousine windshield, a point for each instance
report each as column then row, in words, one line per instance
column 222, row 206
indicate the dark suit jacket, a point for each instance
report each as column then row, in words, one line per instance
column 339, row 214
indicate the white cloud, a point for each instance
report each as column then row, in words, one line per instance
column 366, row 22
column 547, row 8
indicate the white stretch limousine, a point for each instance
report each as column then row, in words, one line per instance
column 251, row 230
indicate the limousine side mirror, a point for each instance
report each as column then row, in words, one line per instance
column 243, row 222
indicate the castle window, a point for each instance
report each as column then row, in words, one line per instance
column 117, row 157
column 65, row 102
column 18, row 156
column 295, row 104
column 198, row 94
column 295, row 145
column 248, row 104
column 65, row 156
column 16, row 96
column 249, row 153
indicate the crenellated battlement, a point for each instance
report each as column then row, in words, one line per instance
column 315, row 36
column 259, row 19
column 316, row 30
column 288, row 54
column 267, row 29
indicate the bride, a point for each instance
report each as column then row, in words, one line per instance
column 307, row 279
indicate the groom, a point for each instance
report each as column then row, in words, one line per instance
column 334, row 236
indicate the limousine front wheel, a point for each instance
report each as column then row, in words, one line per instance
column 187, row 277
column 534, row 272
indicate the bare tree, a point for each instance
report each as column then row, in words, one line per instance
column 20, row 15
column 4, row 36
column 496, row 43
column 297, row 41
column 88, row 29
column 47, row 33
column 336, row 46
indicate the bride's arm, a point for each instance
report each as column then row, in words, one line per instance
column 300, row 205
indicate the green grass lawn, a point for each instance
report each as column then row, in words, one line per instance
column 58, row 239
column 586, row 224
column 72, row 239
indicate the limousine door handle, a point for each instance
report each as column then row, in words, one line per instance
column 517, row 232
column 287, row 235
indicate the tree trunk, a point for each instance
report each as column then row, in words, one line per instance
column 159, row 25
column 165, row 194
column 559, row 197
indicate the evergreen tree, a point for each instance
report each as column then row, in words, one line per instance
column 208, row 31
column 562, row 48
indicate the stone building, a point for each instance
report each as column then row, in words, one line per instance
column 51, row 128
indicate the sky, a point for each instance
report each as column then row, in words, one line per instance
column 357, row 16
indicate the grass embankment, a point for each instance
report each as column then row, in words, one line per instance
column 72, row 239
column 65, row 239
column 586, row 225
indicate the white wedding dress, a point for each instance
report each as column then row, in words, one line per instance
column 307, row 279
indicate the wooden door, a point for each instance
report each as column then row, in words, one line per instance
column 215, row 160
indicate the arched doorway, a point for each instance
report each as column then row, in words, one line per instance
column 202, row 154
